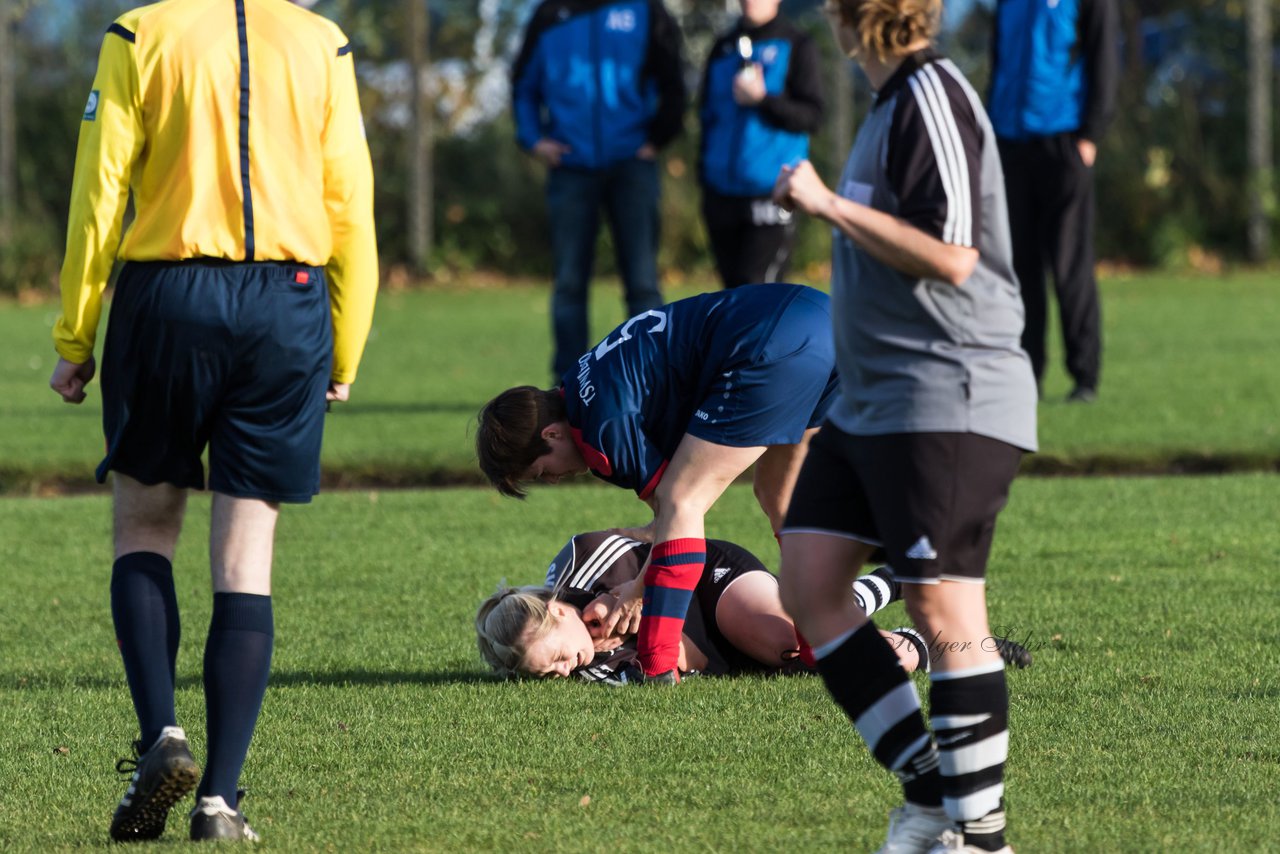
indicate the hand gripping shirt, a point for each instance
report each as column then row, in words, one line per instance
column 597, row 562
column 236, row 125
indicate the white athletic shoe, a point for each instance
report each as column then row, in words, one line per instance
column 914, row 829
column 953, row 843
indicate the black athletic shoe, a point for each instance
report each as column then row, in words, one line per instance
column 1082, row 394
column 671, row 677
column 1013, row 653
column 162, row 776
column 212, row 820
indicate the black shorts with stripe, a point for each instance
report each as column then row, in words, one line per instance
column 231, row 356
column 930, row 500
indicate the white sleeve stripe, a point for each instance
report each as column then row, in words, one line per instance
column 608, row 553
column 555, row 570
column 975, row 102
column 962, row 161
column 945, row 128
column 939, row 154
column 948, row 149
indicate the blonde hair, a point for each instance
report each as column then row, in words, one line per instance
column 885, row 28
column 508, row 623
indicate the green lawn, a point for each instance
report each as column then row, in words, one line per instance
column 1146, row 724
column 1189, row 381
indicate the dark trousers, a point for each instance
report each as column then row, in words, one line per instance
column 628, row 192
column 1051, row 217
column 751, row 238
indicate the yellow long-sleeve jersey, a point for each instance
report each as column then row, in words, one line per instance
column 236, row 124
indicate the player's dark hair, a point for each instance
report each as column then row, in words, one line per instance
column 509, row 435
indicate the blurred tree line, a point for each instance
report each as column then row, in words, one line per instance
column 455, row 196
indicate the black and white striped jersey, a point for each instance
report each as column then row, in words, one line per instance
column 596, row 562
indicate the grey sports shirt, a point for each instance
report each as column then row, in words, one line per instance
column 919, row 355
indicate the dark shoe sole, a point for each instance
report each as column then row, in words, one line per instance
column 146, row 819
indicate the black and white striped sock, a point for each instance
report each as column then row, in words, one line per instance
column 970, row 718
column 915, row 640
column 875, row 590
column 865, row 679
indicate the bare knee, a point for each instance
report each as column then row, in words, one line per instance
column 147, row 518
column 241, row 544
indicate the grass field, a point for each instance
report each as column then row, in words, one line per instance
column 1147, row 722
column 1189, row 383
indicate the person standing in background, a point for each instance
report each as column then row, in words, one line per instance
column 761, row 99
column 1054, row 70
column 597, row 90
column 243, row 306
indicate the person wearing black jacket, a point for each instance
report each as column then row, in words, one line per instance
column 597, row 90
column 1053, row 86
column 761, row 99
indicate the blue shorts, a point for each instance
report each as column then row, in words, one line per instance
column 778, row 390
column 232, row 356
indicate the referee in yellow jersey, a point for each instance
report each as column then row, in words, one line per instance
column 243, row 305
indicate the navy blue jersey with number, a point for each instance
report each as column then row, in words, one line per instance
column 745, row 367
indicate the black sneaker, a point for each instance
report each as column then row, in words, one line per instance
column 162, row 776
column 671, row 677
column 213, row 820
column 1013, row 653
column 1082, row 394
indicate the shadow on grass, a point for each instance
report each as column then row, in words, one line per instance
column 287, row 678
column 405, row 474
column 404, row 407
column 341, row 678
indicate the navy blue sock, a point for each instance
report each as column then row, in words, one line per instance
column 144, row 609
column 237, row 659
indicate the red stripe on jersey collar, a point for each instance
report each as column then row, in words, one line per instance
column 595, row 460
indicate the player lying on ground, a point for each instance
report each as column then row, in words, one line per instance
column 735, row 625
column 675, row 404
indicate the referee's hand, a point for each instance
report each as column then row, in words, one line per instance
column 337, row 391
column 69, row 379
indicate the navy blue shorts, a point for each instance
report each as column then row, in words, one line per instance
column 232, row 356
column 779, row 390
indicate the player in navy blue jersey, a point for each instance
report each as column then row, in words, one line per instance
column 675, row 404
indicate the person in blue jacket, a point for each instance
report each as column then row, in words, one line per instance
column 597, row 90
column 761, row 98
column 1055, row 65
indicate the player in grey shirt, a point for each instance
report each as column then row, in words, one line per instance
column 937, row 407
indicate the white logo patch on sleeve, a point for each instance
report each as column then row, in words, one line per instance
column 91, row 107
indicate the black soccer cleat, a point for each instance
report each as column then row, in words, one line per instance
column 161, row 777
column 671, row 677
column 1013, row 653
column 213, row 821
